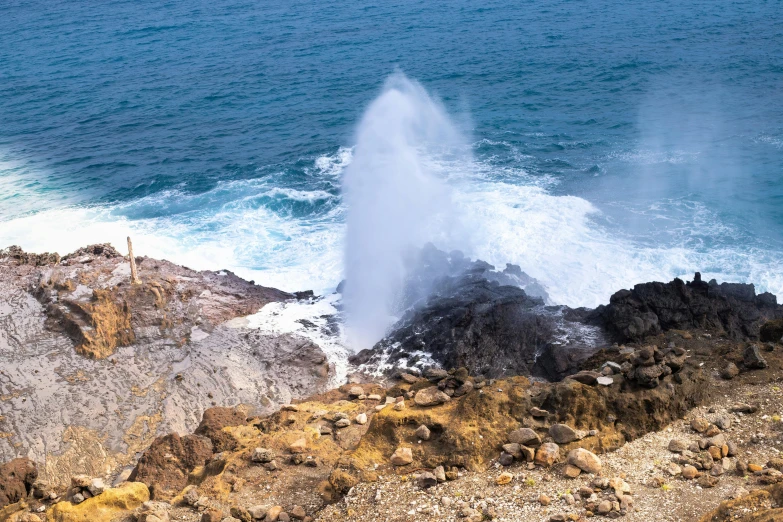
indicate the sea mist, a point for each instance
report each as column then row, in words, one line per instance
column 396, row 200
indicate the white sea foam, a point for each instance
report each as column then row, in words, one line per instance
column 307, row 319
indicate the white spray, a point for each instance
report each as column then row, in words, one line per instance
column 395, row 200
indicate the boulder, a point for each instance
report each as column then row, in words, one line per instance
column 584, row 460
column 524, row 437
column 165, row 466
column 772, row 331
column 547, row 454
column 16, row 480
column 431, row 396
column 212, row 423
column 752, row 358
column 563, row 434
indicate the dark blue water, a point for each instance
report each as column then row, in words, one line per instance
column 613, row 142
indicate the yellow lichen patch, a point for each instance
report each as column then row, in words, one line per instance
column 104, row 507
column 139, row 436
column 466, row 432
column 9, row 512
column 86, row 454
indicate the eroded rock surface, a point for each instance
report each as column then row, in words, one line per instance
column 95, row 368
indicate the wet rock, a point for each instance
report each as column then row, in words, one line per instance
column 475, row 316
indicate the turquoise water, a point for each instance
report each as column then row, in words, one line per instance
column 612, row 143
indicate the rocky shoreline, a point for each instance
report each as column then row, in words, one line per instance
column 492, row 404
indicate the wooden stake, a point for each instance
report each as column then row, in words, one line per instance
column 134, row 275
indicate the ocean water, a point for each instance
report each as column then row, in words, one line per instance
column 609, row 143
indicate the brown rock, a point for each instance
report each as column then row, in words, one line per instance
column 298, row 446
column 16, row 480
column 562, row 433
column 298, row 512
column 571, row 471
column 700, row 424
column 212, row 515
column 547, row 454
column 524, row 437
column 544, row 500
column 538, row 412
column 165, row 466
column 677, row 446
column 423, row 432
column 689, row 472
column 212, row 423
column 729, row 371
column 402, row 457
column 273, row 514
column 528, row 454
column 584, row 460
column 431, row 396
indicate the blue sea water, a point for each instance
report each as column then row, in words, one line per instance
column 612, row 142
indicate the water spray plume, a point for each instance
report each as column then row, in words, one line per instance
column 395, row 200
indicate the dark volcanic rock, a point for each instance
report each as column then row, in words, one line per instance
column 16, row 480
column 473, row 322
column 482, row 319
column 650, row 308
column 772, row 331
